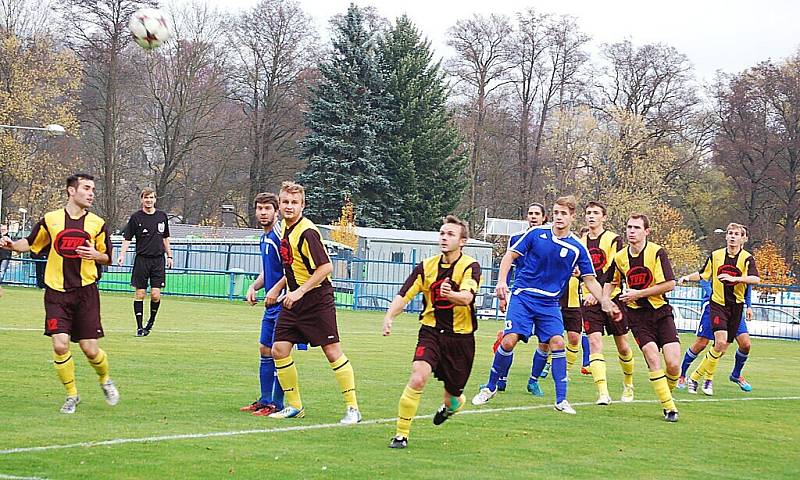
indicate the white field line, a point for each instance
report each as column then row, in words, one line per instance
column 14, row 477
column 296, row 428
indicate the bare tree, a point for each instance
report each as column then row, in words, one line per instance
column 653, row 81
column 275, row 47
column 96, row 30
column 482, row 64
column 180, row 111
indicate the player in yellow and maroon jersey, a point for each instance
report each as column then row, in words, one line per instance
column 647, row 273
column 79, row 243
column 309, row 311
column 730, row 270
column 446, row 343
column 603, row 245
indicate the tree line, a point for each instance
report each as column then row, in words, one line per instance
column 521, row 111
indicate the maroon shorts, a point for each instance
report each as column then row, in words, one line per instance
column 450, row 355
column 657, row 326
column 596, row 320
column 572, row 319
column 311, row 320
column 76, row 312
column 726, row 317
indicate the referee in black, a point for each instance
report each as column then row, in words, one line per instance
column 150, row 226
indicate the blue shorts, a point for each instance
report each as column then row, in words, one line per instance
column 704, row 329
column 268, row 325
column 530, row 315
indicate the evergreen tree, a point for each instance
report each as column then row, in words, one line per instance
column 349, row 123
column 428, row 172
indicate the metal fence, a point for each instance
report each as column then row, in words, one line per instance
column 776, row 314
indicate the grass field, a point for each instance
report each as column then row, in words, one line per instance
column 182, row 387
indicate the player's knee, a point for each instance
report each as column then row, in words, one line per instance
column 90, row 350
column 60, row 348
column 417, row 380
column 744, row 345
column 699, row 345
column 139, row 295
column 281, row 350
column 720, row 345
column 509, row 342
column 557, row 343
column 155, row 296
column 265, row 351
column 595, row 343
column 574, row 338
column 333, row 351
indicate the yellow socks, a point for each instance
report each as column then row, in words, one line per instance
column 343, row 370
column 572, row 355
column 100, row 365
column 627, row 363
column 65, row 367
column 672, row 380
column 658, row 380
column 406, row 409
column 597, row 365
column 708, row 366
column 287, row 376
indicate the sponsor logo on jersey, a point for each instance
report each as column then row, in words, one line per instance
column 68, row 240
column 639, row 277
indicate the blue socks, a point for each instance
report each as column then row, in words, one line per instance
column 500, row 367
column 737, row 367
column 267, row 376
column 585, row 348
column 559, row 370
column 539, row 361
column 688, row 359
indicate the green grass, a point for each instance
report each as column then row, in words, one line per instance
column 200, row 365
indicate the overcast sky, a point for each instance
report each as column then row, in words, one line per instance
column 715, row 34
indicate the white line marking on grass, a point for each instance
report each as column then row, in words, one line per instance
column 297, row 428
column 14, row 477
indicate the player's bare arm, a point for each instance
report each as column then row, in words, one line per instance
column 168, row 249
column 632, row 295
column 501, row 290
column 274, row 293
column 692, row 277
column 395, row 308
column 319, row 275
column 20, row 245
column 254, row 287
column 122, row 251
column 594, row 287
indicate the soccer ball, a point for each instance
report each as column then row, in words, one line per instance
column 149, row 28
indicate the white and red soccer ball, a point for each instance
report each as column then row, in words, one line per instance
column 149, row 28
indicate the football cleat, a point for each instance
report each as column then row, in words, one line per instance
column 289, row 412
column 691, row 386
column 255, row 406
column 746, row 387
column 110, row 392
column 140, row 332
column 265, row 410
column 398, row 442
column 69, row 404
column 708, row 387
column 443, row 413
column 681, row 382
column 535, row 389
column 351, row 416
column 501, row 385
column 671, row 416
column 565, row 407
column 585, row 371
column 603, row 400
column 483, row 396
column 627, row 393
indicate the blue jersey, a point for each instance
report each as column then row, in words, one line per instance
column 271, row 264
column 546, row 262
column 514, row 239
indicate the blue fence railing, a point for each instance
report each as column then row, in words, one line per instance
column 371, row 285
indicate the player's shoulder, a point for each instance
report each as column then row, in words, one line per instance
column 655, row 248
column 54, row 215
column 467, row 260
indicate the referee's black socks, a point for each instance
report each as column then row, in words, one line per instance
column 138, row 311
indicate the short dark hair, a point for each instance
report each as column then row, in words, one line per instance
column 642, row 216
column 75, row 178
column 540, row 207
column 452, row 219
column 598, row 204
column 266, row 197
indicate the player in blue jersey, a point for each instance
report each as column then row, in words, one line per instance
column 549, row 255
column 271, row 279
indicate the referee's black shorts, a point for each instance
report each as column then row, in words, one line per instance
column 148, row 269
